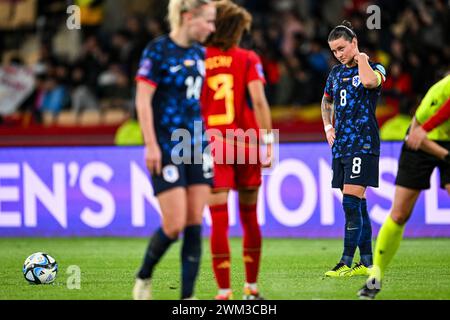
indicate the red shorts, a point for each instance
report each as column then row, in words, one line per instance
column 242, row 176
column 236, row 167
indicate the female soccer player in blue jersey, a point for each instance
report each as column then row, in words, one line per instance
column 351, row 94
column 169, row 83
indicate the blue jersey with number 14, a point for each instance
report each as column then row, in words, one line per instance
column 356, row 125
column 177, row 73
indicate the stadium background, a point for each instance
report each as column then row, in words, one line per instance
column 88, row 73
column 62, row 87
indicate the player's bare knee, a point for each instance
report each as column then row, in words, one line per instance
column 218, row 198
column 354, row 190
column 400, row 217
column 194, row 219
column 248, row 196
column 173, row 230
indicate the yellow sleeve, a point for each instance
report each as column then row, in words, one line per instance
column 422, row 113
column 433, row 100
column 379, row 77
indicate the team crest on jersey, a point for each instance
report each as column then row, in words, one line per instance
column 170, row 173
column 145, row 67
column 356, row 81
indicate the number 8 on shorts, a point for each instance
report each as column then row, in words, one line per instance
column 361, row 169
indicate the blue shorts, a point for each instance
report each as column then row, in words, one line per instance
column 182, row 175
column 361, row 170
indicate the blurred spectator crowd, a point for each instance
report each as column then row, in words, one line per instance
column 94, row 67
column 291, row 36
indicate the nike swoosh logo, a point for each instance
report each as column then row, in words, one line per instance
column 208, row 175
column 349, row 229
column 175, row 69
column 353, row 177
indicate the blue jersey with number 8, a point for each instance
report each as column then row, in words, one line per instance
column 355, row 122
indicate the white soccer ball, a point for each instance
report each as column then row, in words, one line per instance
column 40, row 268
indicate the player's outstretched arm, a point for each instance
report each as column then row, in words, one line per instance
column 367, row 76
column 144, row 96
column 327, row 117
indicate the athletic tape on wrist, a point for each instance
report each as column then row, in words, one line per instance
column 268, row 138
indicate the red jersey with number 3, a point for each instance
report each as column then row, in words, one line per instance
column 225, row 99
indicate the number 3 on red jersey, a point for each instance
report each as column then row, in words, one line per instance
column 222, row 84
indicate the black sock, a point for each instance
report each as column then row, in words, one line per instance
column 353, row 226
column 158, row 245
column 190, row 259
column 365, row 242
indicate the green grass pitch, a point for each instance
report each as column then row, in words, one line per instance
column 292, row 269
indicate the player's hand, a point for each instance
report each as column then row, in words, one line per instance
column 153, row 158
column 331, row 136
column 267, row 163
column 415, row 138
column 361, row 56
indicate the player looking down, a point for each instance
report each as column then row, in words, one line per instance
column 348, row 111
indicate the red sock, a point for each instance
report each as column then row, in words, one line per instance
column 252, row 241
column 220, row 248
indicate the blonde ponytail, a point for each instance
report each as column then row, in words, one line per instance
column 177, row 7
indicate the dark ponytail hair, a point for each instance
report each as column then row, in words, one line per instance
column 344, row 30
